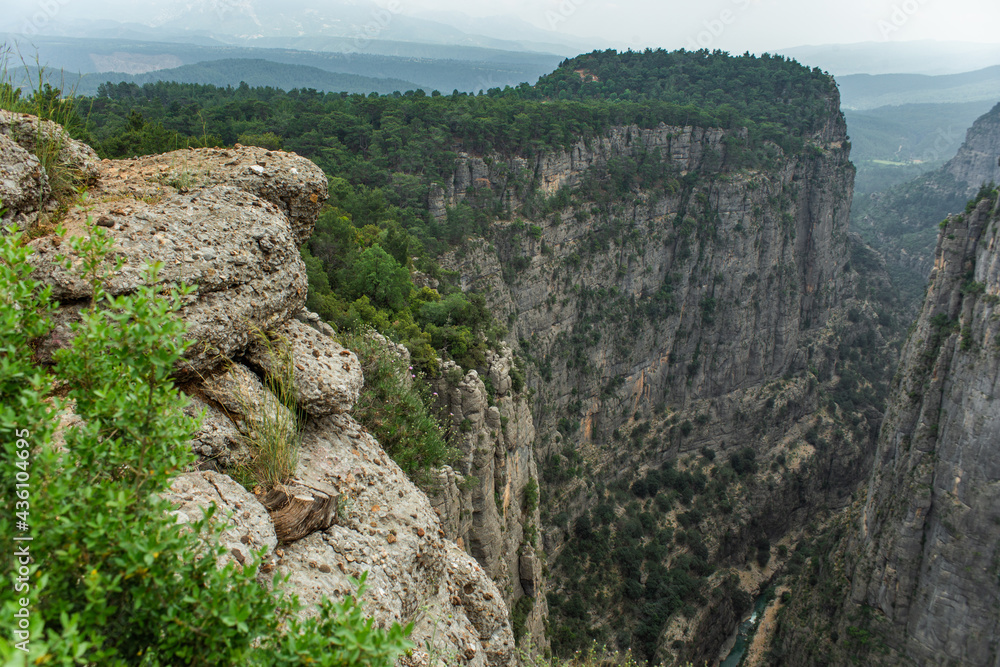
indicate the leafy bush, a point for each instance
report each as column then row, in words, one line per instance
column 359, row 276
column 113, row 579
column 268, row 140
column 377, row 275
column 530, row 496
column 519, row 616
column 744, row 461
column 395, row 411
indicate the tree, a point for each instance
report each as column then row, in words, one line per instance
column 380, row 277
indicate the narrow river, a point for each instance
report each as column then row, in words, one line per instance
column 744, row 633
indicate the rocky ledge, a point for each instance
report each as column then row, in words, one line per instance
column 228, row 222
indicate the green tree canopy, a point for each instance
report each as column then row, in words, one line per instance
column 380, row 277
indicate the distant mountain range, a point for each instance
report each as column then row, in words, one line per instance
column 867, row 91
column 231, row 72
column 438, row 68
column 916, row 57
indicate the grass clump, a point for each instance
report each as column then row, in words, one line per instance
column 395, row 411
column 271, row 418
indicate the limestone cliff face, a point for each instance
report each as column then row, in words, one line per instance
column 229, row 223
column 508, row 178
column 926, row 544
column 706, row 311
column 489, row 501
column 978, row 159
column 713, row 286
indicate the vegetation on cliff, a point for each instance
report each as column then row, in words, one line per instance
column 111, row 577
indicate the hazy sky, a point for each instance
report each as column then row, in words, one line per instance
column 739, row 25
column 732, row 25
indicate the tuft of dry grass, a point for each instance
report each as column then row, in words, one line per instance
column 271, row 422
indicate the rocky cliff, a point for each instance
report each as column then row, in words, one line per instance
column 703, row 310
column 759, row 255
column 902, row 222
column 927, row 538
column 978, row 159
column 490, row 499
column 229, row 223
column 918, row 551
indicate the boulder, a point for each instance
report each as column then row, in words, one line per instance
column 219, row 439
column 43, row 136
column 24, row 187
column 328, row 378
column 247, row 524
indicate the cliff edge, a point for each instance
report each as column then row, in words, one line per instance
column 229, row 222
column 917, row 554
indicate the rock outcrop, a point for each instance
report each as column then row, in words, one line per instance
column 23, row 185
column 489, row 500
column 321, row 368
column 386, row 526
column 248, row 526
column 927, row 543
column 228, row 222
column 237, row 248
column 45, row 137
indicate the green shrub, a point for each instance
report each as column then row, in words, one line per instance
column 519, row 616
column 516, row 377
column 395, row 412
column 530, row 496
column 113, row 579
column 530, row 534
column 379, row 276
column 268, row 140
column 744, row 461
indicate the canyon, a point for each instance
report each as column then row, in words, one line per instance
column 694, row 399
